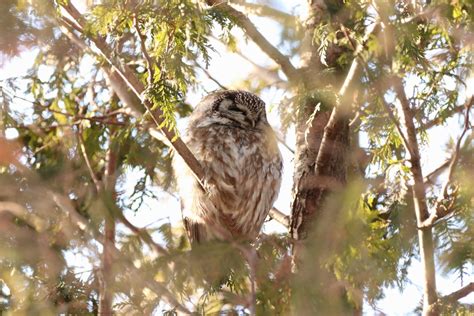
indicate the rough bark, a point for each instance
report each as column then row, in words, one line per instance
column 317, row 173
column 313, row 179
column 322, row 156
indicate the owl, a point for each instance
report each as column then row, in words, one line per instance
column 230, row 136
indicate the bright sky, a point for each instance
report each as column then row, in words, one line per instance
column 230, row 68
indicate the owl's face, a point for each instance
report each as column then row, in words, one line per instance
column 232, row 108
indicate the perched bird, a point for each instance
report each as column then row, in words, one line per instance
column 229, row 134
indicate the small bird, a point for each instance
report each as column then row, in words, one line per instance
column 230, row 136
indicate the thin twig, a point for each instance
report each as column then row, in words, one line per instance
column 396, row 122
column 355, row 119
column 455, row 156
column 71, row 24
column 442, row 210
column 146, row 56
column 438, row 120
column 252, row 259
column 251, row 256
column 271, row 75
column 109, row 180
column 347, row 36
column 102, row 118
column 282, row 141
column 143, row 234
column 83, row 151
column 208, row 74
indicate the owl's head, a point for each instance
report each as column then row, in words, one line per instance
column 231, row 107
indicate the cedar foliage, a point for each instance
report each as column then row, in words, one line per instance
column 364, row 238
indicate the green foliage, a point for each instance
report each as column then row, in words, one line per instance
column 365, row 239
column 456, row 233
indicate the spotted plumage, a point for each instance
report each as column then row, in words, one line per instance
column 229, row 134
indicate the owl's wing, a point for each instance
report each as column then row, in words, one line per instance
column 202, row 220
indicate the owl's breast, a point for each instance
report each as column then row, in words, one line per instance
column 244, row 170
column 234, row 153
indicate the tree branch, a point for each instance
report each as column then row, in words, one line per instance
column 457, row 295
column 395, row 121
column 425, row 236
column 146, row 56
column 438, row 120
column 143, row 235
column 455, row 156
column 251, row 31
column 67, row 27
column 411, row 145
column 428, row 179
column 134, row 84
column 127, row 79
column 264, row 73
column 265, row 10
column 20, row 211
column 278, row 216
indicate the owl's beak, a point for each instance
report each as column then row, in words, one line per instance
column 253, row 122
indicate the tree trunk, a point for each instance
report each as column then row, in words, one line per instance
column 314, row 181
column 320, row 170
column 316, row 174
